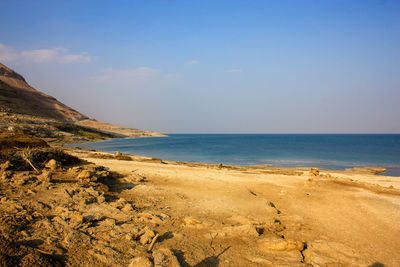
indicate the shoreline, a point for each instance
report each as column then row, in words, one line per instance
column 377, row 169
column 326, row 164
column 377, row 172
column 104, row 209
column 224, row 204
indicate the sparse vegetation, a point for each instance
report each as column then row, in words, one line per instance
column 83, row 131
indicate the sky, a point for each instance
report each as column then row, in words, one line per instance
column 200, row 66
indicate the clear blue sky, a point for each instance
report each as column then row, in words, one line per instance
column 214, row 66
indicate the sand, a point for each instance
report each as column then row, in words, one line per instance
column 121, row 210
column 251, row 218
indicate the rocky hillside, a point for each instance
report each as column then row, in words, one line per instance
column 23, row 106
column 17, row 96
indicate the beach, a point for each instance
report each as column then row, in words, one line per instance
column 235, row 216
column 75, row 207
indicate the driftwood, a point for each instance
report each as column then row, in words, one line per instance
column 152, row 243
column 26, row 154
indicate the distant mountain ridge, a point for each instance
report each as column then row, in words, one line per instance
column 18, row 97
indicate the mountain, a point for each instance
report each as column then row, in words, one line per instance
column 19, row 98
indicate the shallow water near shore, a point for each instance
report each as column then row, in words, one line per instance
column 328, row 151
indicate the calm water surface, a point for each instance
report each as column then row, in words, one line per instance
column 330, row 151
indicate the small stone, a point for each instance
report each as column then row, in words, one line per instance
column 45, row 176
column 314, row 172
column 120, row 203
column 6, row 166
column 165, row 257
column 108, row 222
column 117, row 153
column 279, row 244
column 52, row 165
column 147, row 236
column 76, row 219
column 141, row 261
column 127, row 207
column 85, row 174
column 6, row 175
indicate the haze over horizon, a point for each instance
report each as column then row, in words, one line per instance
column 213, row 66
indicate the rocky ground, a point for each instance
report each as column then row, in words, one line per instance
column 69, row 207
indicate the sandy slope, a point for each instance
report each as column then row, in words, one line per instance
column 247, row 218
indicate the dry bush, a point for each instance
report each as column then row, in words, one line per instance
column 28, row 159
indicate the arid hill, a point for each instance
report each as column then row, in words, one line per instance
column 23, row 104
column 17, row 96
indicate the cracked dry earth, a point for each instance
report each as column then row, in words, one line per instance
column 109, row 212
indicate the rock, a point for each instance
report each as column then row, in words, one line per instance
column 127, row 207
column 147, row 236
column 87, row 196
column 147, row 217
column 108, row 222
column 52, row 165
column 314, row 172
column 117, row 153
column 85, row 175
column 164, row 257
column 76, row 219
column 191, row 221
column 6, row 175
column 325, row 253
column 120, row 203
column 241, row 230
column 6, row 166
column 279, row 244
column 141, row 261
column 45, row 176
column 130, row 229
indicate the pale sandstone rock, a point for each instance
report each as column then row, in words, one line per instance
column 164, row 257
column 85, row 174
column 52, row 165
column 279, row 244
column 241, row 231
column 314, row 172
column 147, row 236
column 76, row 219
column 141, row 261
column 147, row 217
column 127, row 207
column 45, row 176
column 325, row 253
column 108, row 222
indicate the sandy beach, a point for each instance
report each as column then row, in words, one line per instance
column 222, row 216
column 73, row 207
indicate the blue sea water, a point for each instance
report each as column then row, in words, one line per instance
column 329, row 151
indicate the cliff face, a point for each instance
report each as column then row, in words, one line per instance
column 17, row 96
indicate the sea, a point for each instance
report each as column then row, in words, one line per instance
column 327, row 151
